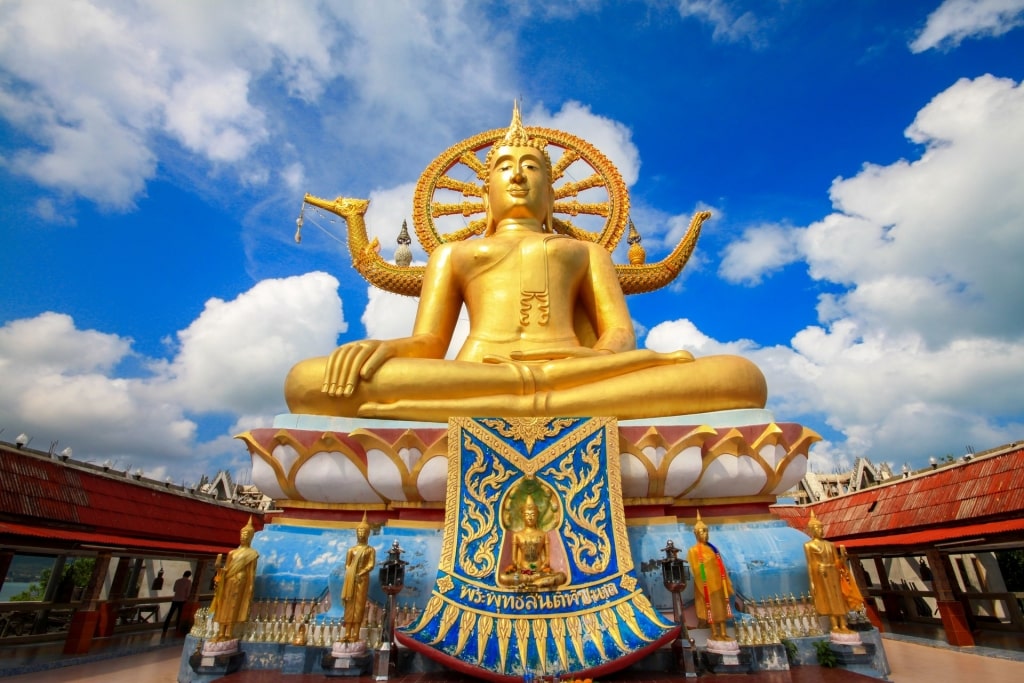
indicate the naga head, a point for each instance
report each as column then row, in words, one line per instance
column 349, row 208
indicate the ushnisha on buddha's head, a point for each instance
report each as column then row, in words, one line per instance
column 814, row 527
column 517, row 181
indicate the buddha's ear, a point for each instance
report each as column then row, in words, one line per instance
column 488, row 218
column 550, row 219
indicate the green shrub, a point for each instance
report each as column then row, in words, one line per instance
column 790, row 651
column 826, row 657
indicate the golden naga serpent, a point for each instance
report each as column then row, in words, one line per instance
column 441, row 180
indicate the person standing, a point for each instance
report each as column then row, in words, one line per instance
column 182, row 589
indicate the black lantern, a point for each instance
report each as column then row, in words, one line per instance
column 675, row 574
column 392, row 579
column 392, row 571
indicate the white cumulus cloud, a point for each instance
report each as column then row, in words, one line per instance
column 955, row 20
column 235, row 355
column 923, row 344
column 71, row 384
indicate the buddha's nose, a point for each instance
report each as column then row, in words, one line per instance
column 517, row 176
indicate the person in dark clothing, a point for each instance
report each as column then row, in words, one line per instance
column 182, row 588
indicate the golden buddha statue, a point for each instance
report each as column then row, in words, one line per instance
column 530, row 568
column 823, row 570
column 851, row 591
column 359, row 562
column 550, row 333
column 234, row 580
column 711, row 584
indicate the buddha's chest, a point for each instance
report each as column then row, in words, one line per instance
column 540, row 263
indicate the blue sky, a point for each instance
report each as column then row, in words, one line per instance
column 863, row 161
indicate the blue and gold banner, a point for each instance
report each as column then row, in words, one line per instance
column 535, row 573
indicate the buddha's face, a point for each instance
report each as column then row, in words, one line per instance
column 518, row 186
column 246, row 537
column 362, row 533
column 816, row 530
column 530, row 517
column 701, row 533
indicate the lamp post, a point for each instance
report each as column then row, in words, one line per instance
column 675, row 574
column 392, row 580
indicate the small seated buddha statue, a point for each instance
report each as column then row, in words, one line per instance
column 530, row 568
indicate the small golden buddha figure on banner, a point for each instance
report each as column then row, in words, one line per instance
column 530, row 568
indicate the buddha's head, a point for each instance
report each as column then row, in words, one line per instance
column 815, row 527
column 248, row 531
column 517, row 183
column 700, row 530
column 530, row 512
column 363, row 530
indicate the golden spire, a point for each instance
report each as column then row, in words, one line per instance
column 814, row 521
column 248, row 526
column 516, row 135
column 363, row 524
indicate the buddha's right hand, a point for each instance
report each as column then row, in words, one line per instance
column 352, row 362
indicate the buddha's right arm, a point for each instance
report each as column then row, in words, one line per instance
column 358, row 361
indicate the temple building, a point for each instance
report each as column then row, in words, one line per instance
column 933, row 549
column 938, row 548
column 87, row 551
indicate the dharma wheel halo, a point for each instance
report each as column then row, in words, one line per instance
column 463, row 160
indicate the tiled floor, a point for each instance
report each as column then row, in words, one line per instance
column 910, row 658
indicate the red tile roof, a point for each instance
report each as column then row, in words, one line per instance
column 952, row 501
column 74, row 502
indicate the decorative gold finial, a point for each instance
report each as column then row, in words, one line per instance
column 529, row 504
column 637, row 253
column 248, row 526
column 363, row 524
column 403, row 254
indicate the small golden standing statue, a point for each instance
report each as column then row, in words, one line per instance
column 359, row 562
column 234, row 584
column 530, row 568
column 823, row 570
column 712, row 587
